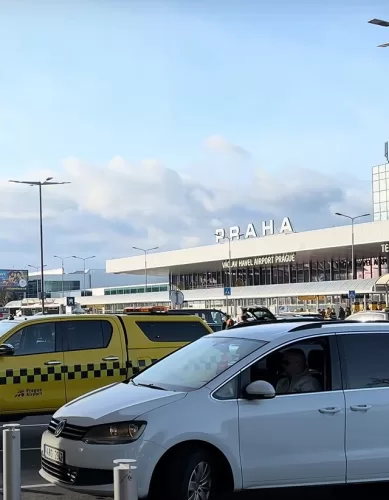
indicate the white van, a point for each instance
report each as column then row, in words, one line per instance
column 282, row 404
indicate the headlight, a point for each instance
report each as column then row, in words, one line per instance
column 117, row 433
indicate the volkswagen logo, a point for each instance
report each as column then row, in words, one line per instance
column 60, row 427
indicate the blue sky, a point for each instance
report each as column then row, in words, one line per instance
column 290, row 81
column 300, row 85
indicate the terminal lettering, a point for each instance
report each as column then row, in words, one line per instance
column 266, row 260
column 267, row 229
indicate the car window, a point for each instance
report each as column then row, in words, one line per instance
column 86, row 334
column 365, row 360
column 262, row 315
column 6, row 326
column 228, row 391
column 217, row 317
column 173, row 331
column 301, row 367
column 34, row 339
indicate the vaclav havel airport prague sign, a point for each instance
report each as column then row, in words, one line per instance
column 264, row 260
column 267, row 229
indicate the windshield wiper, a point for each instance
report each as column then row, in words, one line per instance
column 152, row 386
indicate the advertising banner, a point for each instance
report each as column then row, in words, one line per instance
column 13, row 279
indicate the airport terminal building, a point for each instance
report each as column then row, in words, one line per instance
column 266, row 264
column 270, row 264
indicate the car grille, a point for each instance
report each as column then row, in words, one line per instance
column 74, row 432
column 77, row 476
column 61, row 472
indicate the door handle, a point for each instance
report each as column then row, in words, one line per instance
column 330, row 410
column 360, row 407
column 111, row 358
column 51, row 363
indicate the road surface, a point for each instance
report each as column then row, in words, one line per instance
column 35, row 488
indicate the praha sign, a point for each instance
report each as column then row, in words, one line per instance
column 234, row 232
column 265, row 260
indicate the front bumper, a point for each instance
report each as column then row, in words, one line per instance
column 89, row 468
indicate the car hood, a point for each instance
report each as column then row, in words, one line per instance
column 115, row 403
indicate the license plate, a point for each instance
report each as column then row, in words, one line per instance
column 54, row 454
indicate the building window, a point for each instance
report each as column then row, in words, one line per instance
column 335, row 270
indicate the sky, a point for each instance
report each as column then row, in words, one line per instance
column 172, row 118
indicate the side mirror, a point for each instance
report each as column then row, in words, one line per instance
column 6, row 350
column 260, row 389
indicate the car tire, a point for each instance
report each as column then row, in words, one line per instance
column 190, row 473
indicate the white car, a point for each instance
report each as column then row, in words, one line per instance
column 207, row 418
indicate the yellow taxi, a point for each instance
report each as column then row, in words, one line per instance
column 46, row 361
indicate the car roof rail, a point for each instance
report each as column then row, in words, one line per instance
column 274, row 322
column 319, row 324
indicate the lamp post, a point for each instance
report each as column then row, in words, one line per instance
column 352, row 236
column 37, row 278
column 229, row 266
column 385, row 24
column 145, row 251
column 47, row 182
column 63, row 270
column 84, row 259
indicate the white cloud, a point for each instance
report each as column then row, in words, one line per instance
column 108, row 209
column 220, row 144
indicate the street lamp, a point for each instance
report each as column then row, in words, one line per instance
column 385, row 24
column 37, row 280
column 145, row 251
column 63, row 270
column 352, row 236
column 47, row 182
column 229, row 264
column 84, row 259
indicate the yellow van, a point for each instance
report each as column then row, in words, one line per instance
column 46, row 361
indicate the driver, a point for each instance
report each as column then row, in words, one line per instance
column 297, row 376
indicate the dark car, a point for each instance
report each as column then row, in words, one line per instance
column 213, row 317
column 262, row 315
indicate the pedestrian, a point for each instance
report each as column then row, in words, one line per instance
column 230, row 322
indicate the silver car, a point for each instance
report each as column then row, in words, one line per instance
column 367, row 316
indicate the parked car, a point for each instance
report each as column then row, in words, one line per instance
column 3, row 313
column 369, row 316
column 46, row 361
column 282, row 404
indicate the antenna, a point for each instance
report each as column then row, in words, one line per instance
column 386, row 152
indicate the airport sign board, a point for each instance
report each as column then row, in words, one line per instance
column 266, row 228
column 14, row 279
column 263, row 260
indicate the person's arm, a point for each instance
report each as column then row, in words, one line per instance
column 311, row 384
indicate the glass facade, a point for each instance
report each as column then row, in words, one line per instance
column 34, row 287
column 381, row 192
column 303, row 272
column 123, row 290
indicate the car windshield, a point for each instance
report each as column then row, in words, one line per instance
column 6, row 326
column 198, row 363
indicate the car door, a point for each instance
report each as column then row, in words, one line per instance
column 94, row 354
column 32, row 380
column 294, row 438
column 365, row 368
